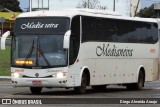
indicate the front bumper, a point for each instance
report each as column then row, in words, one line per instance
column 44, row 82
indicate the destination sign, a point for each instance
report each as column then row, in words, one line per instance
column 50, row 25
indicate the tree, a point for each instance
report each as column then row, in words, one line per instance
column 148, row 12
column 12, row 5
column 91, row 4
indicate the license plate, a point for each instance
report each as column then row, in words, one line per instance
column 36, row 82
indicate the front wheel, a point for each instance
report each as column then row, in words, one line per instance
column 82, row 89
column 36, row 90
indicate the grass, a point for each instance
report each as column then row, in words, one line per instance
column 5, row 62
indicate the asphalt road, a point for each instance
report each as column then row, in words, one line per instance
column 151, row 90
column 67, row 97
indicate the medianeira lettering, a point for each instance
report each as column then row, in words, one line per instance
column 38, row 25
column 107, row 50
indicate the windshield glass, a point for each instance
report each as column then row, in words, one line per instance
column 38, row 51
column 38, row 42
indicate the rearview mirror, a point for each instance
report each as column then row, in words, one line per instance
column 66, row 39
column 3, row 40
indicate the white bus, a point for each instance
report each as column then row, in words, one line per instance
column 80, row 48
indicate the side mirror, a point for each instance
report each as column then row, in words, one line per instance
column 66, row 39
column 3, row 39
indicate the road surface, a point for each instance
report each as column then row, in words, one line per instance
column 68, row 97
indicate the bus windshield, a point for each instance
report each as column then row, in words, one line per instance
column 37, row 51
column 40, row 50
column 38, row 47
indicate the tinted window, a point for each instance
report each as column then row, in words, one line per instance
column 112, row 30
column 74, row 40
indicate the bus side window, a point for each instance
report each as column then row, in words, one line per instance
column 74, row 40
column 72, row 50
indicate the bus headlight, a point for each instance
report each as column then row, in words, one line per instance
column 16, row 75
column 61, row 74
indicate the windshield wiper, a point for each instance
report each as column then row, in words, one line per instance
column 43, row 56
column 30, row 51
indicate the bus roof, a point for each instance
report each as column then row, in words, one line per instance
column 84, row 12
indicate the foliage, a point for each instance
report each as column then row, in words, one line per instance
column 12, row 5
column 91, row 4
column 148, row 12
column 5, row 62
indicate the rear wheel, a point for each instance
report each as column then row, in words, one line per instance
column 36, row 90
column 139, row 85
column 82, row 89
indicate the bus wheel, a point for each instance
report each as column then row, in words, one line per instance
column 82, row 89
column 139, row 85
column 36, row 90
column 99, row 88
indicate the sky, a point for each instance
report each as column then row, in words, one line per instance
column 63, row 4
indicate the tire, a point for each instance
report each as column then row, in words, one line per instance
column 36, row 90
column 99, row 88
column 139, row 85
column 82, row 89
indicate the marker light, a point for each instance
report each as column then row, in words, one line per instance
column 26, row 62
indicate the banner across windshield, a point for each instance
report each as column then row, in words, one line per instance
column 47, row 25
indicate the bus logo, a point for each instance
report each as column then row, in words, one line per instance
column 36, row 74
